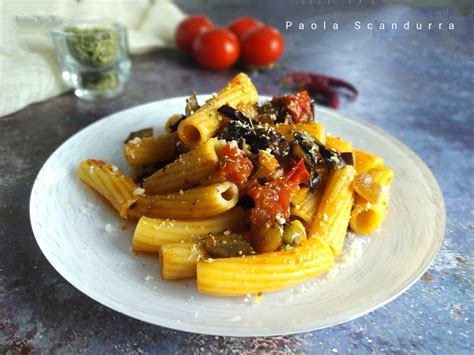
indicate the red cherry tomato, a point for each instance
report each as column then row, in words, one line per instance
column 262, row 46
column 216, row 49
column 189, row 29
column 242, row 25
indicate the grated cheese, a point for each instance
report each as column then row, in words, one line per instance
column 139, row 191
column 136, row 141
column 280, row 219
column 109, row 228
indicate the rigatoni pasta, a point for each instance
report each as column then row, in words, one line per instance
column 178, row 260
column 315, row 130
column 263, row 273
column 106, row 179
column 337, row 198
column 335, row 231
column 364, row 161
column 150, row 150
column 185, row 172
column 202, row 124
column 247, row 197
column 338, row 144
column 306, row 205
column 199, row 202
column 152, row 233
column 367, row 216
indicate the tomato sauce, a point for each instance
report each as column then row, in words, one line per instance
column 299, row 106
column 234, row 166
column 271, row 200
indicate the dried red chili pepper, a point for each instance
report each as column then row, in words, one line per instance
column 319, row 85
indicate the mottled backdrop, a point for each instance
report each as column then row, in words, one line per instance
column 417, row 85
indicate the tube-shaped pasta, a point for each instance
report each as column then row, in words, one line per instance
column 265, row 272
column 366, row 217
column 305, row 205
column 337, row 194
column 300, row 195
column 150, row 150
column 366, row 187
column 185, row 172
column 337, row 230
column 315, row 130
column 364, row 161
column 151, row 233
column 105, row 178
column 178, row 260
column 200, row 202
column 338, row 144
column 202, row 124
column 382, row 176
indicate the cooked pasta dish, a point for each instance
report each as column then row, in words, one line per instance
column 243, row 195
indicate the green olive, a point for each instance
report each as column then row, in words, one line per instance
column 294, row 233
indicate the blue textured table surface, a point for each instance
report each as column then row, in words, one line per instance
column 417, row 85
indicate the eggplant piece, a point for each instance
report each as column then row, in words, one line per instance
column 240, row 128
column 317, row 167
column 227, row 246
column 317, row 151
column 267, row 238
column 268, row 138
column 257, row 138
column 174, row 127
column 348, row 158
column 330, row 156
column 314, row 180
column 235, row 114
column 143, row 133
column 192, row 105
column 305, row 147
column 235, row 130
column 273, row 112
column 180, row 148
column 246, row 202
column 319, row 158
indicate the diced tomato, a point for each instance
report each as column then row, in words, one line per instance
column 298, row 173
column 234, row 166
column 271, row 200
column 299, row 106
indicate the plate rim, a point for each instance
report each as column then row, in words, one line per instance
column 203, row 329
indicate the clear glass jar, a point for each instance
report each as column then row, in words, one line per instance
column 93, row 56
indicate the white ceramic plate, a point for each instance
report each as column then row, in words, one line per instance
column 69, row 221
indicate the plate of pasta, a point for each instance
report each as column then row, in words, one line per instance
column 234, row 214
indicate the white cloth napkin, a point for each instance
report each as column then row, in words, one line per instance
column 28, row 67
